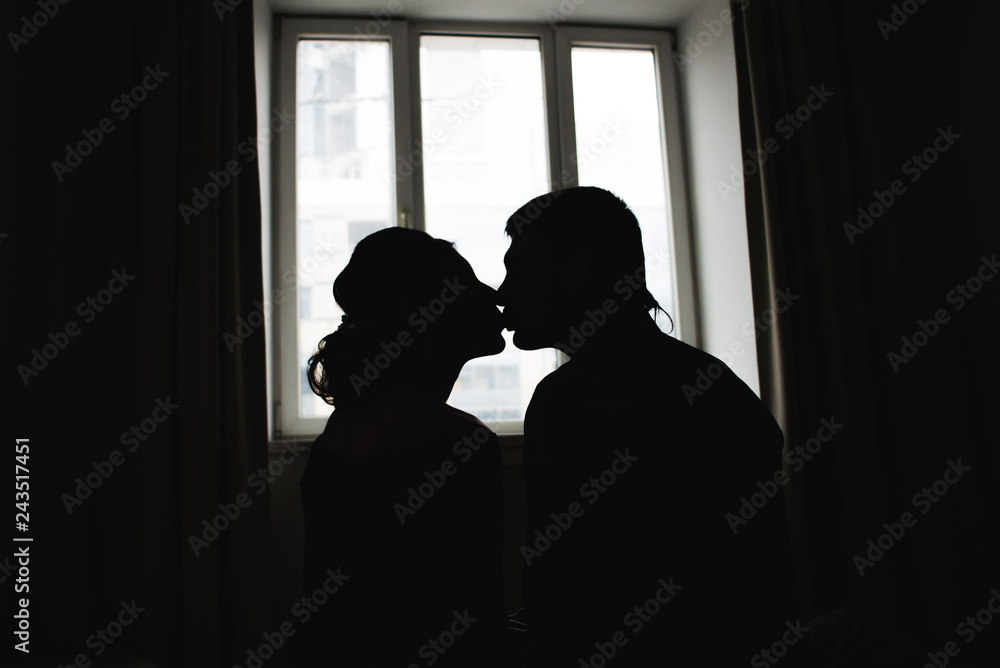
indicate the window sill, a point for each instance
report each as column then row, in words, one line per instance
column 510, row 446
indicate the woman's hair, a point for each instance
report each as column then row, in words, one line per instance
column 392, row 273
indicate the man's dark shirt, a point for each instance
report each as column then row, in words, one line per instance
column 649, row 567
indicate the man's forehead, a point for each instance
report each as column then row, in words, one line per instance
column 524, row 246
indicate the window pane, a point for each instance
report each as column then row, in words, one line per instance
column 484, row 155
column 620, row 147
column 344, row 147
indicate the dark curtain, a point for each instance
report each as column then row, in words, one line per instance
column 142, row 418
column 890, row 84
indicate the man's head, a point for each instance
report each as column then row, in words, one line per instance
column 571, row 250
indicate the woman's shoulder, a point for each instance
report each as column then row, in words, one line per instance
column 396, row 424
column 457, row 422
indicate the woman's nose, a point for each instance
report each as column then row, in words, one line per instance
column 485, row 291
column 491, row 295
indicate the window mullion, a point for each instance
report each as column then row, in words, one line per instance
column 551, row 91
column 567, row 175
column 406, row 126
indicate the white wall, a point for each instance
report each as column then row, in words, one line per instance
column 707, row 78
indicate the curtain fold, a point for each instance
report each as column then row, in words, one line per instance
column 146, row 425
column 871, row 204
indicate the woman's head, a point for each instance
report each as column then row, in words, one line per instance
column 409, row 301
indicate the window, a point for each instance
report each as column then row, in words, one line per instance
column 449, row 128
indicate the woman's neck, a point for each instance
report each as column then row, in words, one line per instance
column 429, row 380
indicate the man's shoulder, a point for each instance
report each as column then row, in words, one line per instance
column 660, row 370
column 683, row 357
column 660, row 358
column 683, row 363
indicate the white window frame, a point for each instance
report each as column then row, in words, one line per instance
column 660, row 42
column 404, row 38
column 288, row 421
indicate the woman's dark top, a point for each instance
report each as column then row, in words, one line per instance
column 410, row 535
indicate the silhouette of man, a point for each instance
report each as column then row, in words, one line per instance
column 635, row 549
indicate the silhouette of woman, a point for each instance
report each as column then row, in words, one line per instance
column 402, row 493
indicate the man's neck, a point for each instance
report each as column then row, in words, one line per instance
column 616, row 331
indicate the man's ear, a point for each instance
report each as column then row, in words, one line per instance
column 577, row 270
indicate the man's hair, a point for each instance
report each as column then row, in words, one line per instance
column 595, row 221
